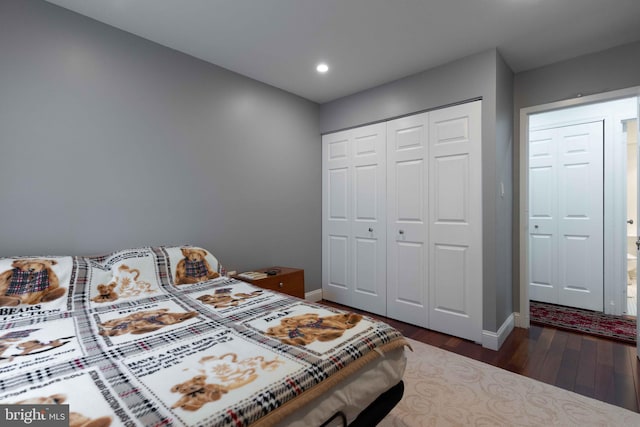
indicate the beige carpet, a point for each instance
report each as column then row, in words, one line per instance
column 445, row 389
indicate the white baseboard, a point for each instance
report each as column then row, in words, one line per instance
column 494, row 340
column 313, row 296
column 517, row 319
column 490, row 340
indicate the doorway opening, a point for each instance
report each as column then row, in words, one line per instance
column 617, row 238
column 630, row 137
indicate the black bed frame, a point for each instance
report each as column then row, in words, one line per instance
column 376, row 411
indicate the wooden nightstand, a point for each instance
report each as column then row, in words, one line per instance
column 287, row 280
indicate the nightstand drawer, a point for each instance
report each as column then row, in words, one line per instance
column 288, row 280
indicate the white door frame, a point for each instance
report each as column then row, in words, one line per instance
column 524, row 320
column 637, row 228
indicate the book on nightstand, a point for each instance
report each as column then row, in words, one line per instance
column 253, row 275
column 282, row 279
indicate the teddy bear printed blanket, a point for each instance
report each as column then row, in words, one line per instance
column 155, row 336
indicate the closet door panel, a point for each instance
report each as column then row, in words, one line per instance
column 407, row 219
column 365, row 280
column 336, row 216
column 542, row 273
column 449, row 270
column 338, row 267
column 409, row 177
column 410, row 274
column 369, row 267
column 452, row 199
column 338, row 182
column 366, row 184
column 354, row 218
column 580, row 215
column 455, row 221
column 543, row 207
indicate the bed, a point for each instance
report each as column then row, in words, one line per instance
column 157, row 336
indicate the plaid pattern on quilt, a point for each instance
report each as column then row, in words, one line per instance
column 23, row 282
column 195, row 268
column 146, row 352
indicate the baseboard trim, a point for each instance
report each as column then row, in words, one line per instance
column 518, row 319
column 490, row 340
column 494, row 340
column 313, row 296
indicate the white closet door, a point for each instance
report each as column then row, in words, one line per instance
column 455, row 221
column 543, row 223
column 354, row 224
column 336, row 217
column 580, row 214
column 407, row 219
column 368, row 228
column 566, row 220
column 410, row 249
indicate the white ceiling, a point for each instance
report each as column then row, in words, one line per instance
column 367, row 42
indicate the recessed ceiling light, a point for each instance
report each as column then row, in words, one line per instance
column 322, row 68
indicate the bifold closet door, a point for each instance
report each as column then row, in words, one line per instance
column 407, row 217
column 354, row 218
column 410, row 249
column 566, row 203
column 336, row 216
column 455, row 221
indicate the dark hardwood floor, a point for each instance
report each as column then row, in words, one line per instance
column 595, row 367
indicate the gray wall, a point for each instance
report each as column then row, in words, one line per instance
column 465, row 79
column 109, row 141
column 605, row 71
column 504, row 172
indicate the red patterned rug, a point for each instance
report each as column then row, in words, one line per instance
column 584, row 321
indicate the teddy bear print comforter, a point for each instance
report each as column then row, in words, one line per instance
column 155, row 336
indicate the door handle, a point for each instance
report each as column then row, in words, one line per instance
column 629, row 221
column 370, row 230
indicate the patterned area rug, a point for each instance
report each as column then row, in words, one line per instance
column 446, row 389
column 585, row 321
